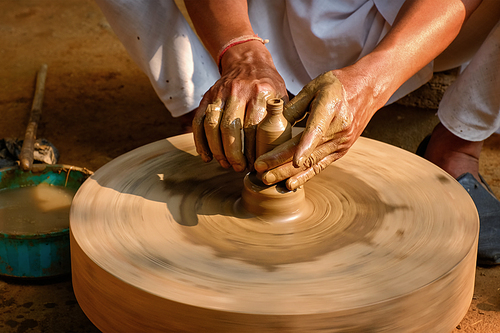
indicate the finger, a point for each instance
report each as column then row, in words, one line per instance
column 287, row 170
column 324, row 108
column 280, row 173
column 301, row 178
column 322, row 151
column 298, row 107
column 231, row 126
column 278, row 156
column 255, row 113
column 200, row 139
column 295, row 110
column 213, row 116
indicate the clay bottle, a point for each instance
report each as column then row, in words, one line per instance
column 274, row 128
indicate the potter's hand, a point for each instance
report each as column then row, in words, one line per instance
column 237, row 100
column 332, row 128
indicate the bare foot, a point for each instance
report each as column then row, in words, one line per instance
column 453, row 154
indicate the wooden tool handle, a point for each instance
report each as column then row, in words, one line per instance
column 26, row 155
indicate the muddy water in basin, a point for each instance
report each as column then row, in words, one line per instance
column 35, row 209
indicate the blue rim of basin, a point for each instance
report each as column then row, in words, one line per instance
column 54, row 174
column 43, row 254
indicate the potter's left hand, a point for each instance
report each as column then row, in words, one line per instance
column 338, row 114
column 237, row 101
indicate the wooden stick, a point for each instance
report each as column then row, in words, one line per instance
column 26, row 155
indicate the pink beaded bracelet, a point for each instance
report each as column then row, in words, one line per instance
column 236, row 41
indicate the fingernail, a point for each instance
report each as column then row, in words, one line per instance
column 269, row 178
column 292, row 184
column 260, row 166
column 299, row 162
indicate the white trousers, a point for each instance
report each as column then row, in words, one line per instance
column 470, row 107
column 306, row 39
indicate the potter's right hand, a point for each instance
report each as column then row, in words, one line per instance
column 237, row 101
column 339, row 104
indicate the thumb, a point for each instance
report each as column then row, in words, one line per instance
column 296, row 110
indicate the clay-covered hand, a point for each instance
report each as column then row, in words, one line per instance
column 236, row 101
column 337, row 117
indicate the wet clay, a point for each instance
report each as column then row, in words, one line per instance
column 35, row 209
column 274, row 128
column 272, row 202
column 321, row 97
column 160, row 243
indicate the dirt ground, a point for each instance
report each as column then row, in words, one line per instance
column 97, row 106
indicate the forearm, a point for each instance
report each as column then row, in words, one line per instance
column 218, row 21
column 422, row 30
column 248, row 79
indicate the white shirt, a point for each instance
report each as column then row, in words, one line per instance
column 307, row 38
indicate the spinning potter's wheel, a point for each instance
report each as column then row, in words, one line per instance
column 161, row 242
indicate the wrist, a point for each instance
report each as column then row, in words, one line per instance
column 237, row 41
column 363, row 91
column 243, row 51
column 377, row 78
